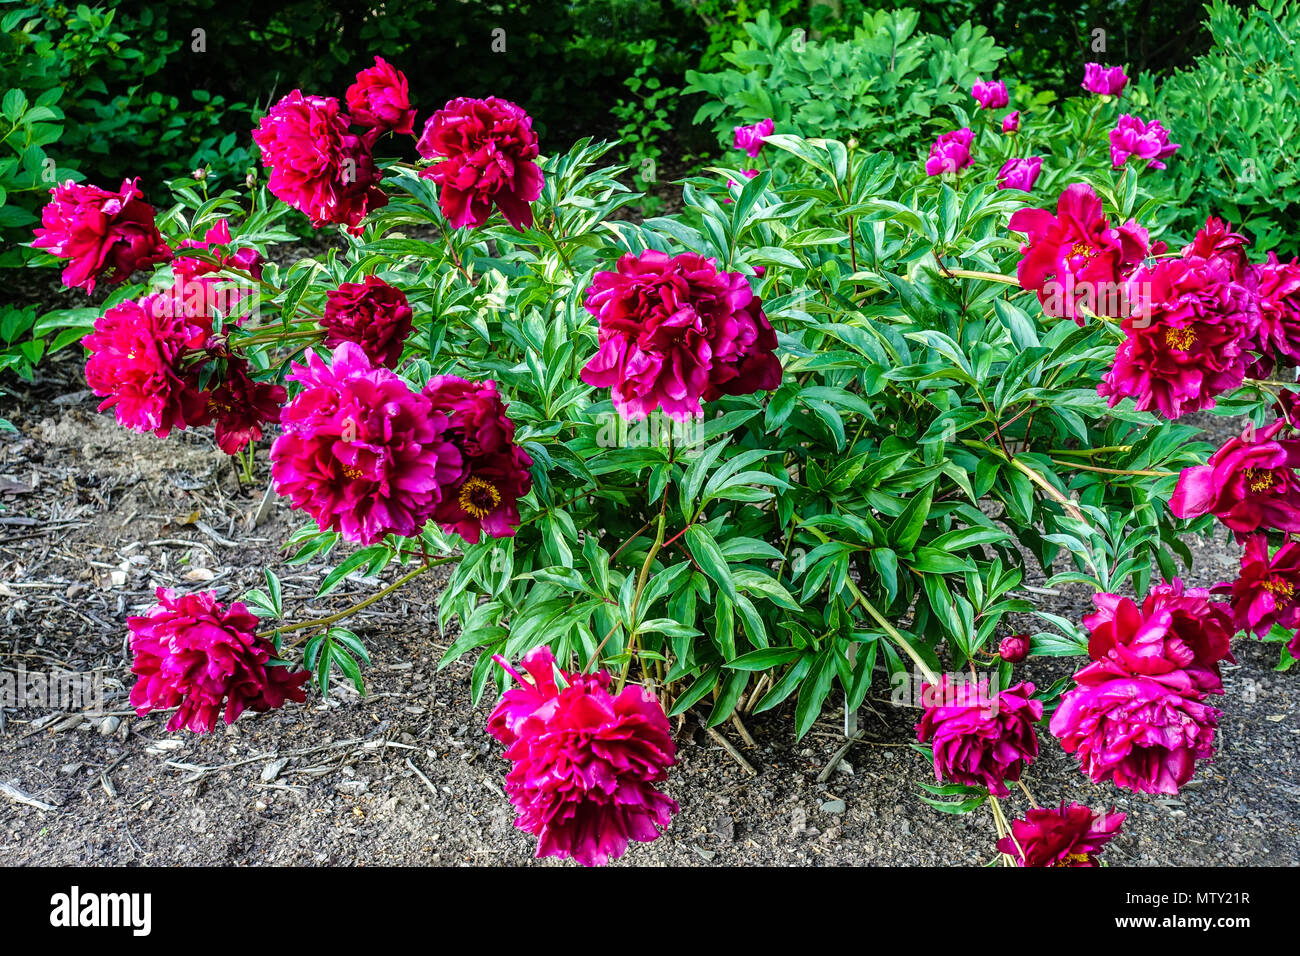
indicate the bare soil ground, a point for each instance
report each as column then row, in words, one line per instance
column 92, row 518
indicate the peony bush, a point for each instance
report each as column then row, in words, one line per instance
column 814, row 433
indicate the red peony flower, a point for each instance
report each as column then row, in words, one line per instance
column 1075, row 260
column 361, row 453
column 104, row 235
column 373, row 314
column 979, row 739
column 1249, row 484
column 1278, row 286
column 675, row 331
column 496, row 475
column 240, row 406
column 1216, row 240
column 1188, row 332
column 487, row 149
column 586, row 763
column 1267, row 591
column 1014, row 648
column 1069, row 836
column 380, row 99
column 193, row 652
column 317, row 166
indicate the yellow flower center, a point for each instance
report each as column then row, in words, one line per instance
column 1180, row 339
column 352, row 473
column 1279, row 588
column 1259, row 479
column 479, row 497
column 1083, row 249
column 1071, row 858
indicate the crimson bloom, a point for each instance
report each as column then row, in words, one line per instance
column 240, row 406
column 1014, row 648
column 1249, row 484
column 1104, row 80
column 194, row 653
column 990, row 95
column 495, row 476
column 950, row 152
column 487, row 150
column 104, row 235
column 1267, row 591
column 1133, row 137
column 1076, row 260
column 1020, row 173
column 586, row 762
column 361, row 453
column 1064, row 836
column 317, row 166
column 1188, row 335
column 1277, row 284
column 980, row 739
column 674, row 331
column 750, row 138
column 373, row 314
column 380, row 99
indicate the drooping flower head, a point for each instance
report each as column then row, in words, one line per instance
column 1064, row 836
column 1133, row 137
column 749, row 139
column 1104, row 80
column 586, row 762
column 380, row 99
column 674, row 331
column 950, row 152
column 1187, row 337
column 990, row 95
column 194, row 653
column 486, row 150
column 979, row 738
column 496, row 475
column 361, row 453
column 104, row 235
column 1267, row 591
column 1249, row 484
column 1020, row 173
column 1076, row 260
column 317, row 166
column 373, row 314
column 1011, row 122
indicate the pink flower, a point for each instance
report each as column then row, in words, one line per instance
column 193, row 652
column 1249, row 484
column 1020, row 173
column 1267, row 591
column 496, row 475
column 1076, row 260
column 979, row 739
column 487, row 149
column 1014, row 648
column 1278, row 286
column 990, row 95
column 1216, row 240
column 1104, row 80
column 1133, row 137
column 1188, row 333
column 137, row 362
column 104, row 235
column 674, row 331
column 239, row 406
column 586, row 762
column 1068, row 836
column 379, row 99
column 361, row 453
column 317, row 166
column 373, row 314
column 750, row 138
column 950, row 152
column 1011, row 122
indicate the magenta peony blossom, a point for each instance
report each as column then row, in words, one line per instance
column 1020, row 173
column 1068, row 836
column 496, row 475
column 1188, row 333
column 373, row 314
column 978, row 739
column 361, row 453
column 1277, row 284
column 317, row 166
column 586, row 763
column 1076, row 260
column 1011, row 122
column 990, row 95
column 950, row 152
column 1267, row 591
column 487, row 149
column 137, row 362
column 1249, row 484
column 1014, row 648
column 104, row 235
column 750, row 138
column 674, row 331
column 1104, row 80
column 239, row 406
column 195, row 653
column 1216, row 240
column 1149, row 141
column 379, row 99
